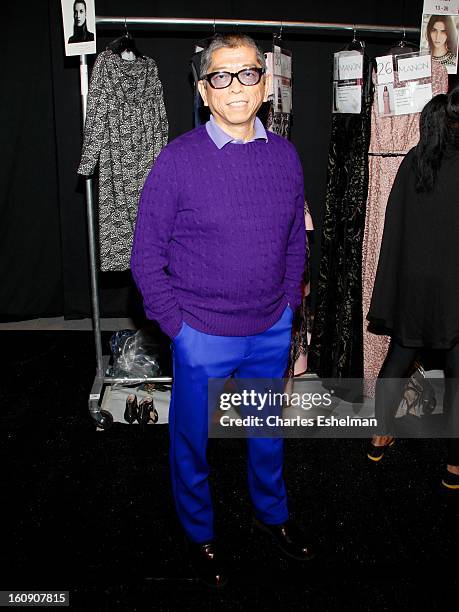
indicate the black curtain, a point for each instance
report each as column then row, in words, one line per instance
column 44, row 260
column 30, row 245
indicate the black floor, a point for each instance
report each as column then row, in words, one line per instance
column 91, row 512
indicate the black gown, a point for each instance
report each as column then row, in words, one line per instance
column 337, row 340
column 416, row 292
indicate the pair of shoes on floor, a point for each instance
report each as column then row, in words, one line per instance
column 376, row 453
column 211, row 568
column 208, row 564
column 289, row 539
column 450, row 480
column 144, row 413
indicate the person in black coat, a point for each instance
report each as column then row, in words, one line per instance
column 416, row 292
column 80, row 29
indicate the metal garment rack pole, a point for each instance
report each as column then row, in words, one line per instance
column 255, row 23
column 91, row 232
column 103, row 418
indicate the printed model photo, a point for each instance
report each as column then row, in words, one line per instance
column 439, row 34
column 79, row 23
column 386, row 99
column 80, row 27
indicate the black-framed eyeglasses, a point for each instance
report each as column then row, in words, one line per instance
column 246, row 76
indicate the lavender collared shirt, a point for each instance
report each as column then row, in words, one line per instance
column 221, row 138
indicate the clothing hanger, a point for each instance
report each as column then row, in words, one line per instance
column 403, row 46
column 359, row 45
column 356, row 44
column 124, row 43
column 279, row 36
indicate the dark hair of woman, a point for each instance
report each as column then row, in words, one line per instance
column 452, row 109
column 433, row 140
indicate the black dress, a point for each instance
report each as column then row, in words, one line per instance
column 337, row 340
column 416, row 292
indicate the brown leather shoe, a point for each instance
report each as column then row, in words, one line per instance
column 288, row 538
column 208, row 564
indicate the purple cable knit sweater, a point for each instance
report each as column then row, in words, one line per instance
column 220, row 238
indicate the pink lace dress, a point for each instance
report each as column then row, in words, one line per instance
column 393, row 135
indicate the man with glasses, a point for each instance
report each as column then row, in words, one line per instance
column 219, row 253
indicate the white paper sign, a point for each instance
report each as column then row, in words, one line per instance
column 279, row 65
column 412, row 98
column 445, row 7
column 347, row 85
column 79, row 20
column 348, row 99
column 281, row 62
column 286, row 65
column 277, row 61
column 350, row 67
column 286, row 96
column 282, row 95
column 414, row 68
column 385, row 69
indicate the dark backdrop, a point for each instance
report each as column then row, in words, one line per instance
column 43, row 251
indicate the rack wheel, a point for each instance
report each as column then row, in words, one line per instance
column 103, row 419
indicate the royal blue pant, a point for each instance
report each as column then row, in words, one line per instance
column 196, row 358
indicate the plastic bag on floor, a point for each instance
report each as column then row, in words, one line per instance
column 135, row 355
column 418, row 396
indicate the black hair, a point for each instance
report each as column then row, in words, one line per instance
column 432, row 142
column 80, row 2
column 231, row 41
column 452, row 108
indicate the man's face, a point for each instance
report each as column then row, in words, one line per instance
column 79, row 13
column 237, row 104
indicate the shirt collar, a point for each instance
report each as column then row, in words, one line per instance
column 221, row 138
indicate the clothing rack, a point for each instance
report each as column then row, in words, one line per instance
column 102, row 417
column 255, row 23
